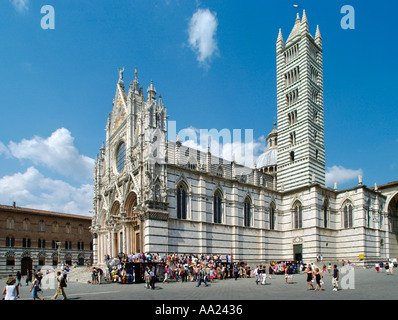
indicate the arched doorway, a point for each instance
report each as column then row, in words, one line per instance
column 26, row 264
column 115, row 215
column 133, row 232
column 392, row 210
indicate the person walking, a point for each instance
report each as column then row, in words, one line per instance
column 255, row 273
column 264, row 276
column 28, row 277
column 391, row 267
column 166, row 274
column 35, row 288
column 152, row 279
column 236, row 272
column 201, row 277
column 147, row 278
column 19, row 277
column 335, row 280
column 318, row 280
column 270, row 270
column 310, row 277
column 61, row 285
column 11, row 291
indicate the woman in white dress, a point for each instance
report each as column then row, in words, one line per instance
column 11, row 291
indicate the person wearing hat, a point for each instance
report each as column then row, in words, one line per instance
column 11, row 291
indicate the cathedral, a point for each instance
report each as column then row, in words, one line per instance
column 159, row 196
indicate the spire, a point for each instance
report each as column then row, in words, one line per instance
column 304, row 23
column 296, row 30
column 318, row 37
column 151, row 92
column 136, row 83
column 318, row 33
column 280, row 36
column 304, row 20
column 279, row 42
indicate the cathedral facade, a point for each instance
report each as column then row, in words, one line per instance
column 155, row 195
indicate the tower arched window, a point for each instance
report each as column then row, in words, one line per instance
column 325, row 214
column 272, row 216
column 348, row 220
column 247, row 212
column 297, row 216
column 181, row 202
column 217, row 207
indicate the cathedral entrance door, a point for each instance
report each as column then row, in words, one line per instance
column 298, row 252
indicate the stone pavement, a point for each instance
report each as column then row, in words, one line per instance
column 365, row 284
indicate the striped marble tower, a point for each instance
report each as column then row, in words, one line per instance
column 301, row 151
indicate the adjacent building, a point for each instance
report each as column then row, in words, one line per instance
column 31, row 239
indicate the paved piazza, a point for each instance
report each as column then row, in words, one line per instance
column 368, row 285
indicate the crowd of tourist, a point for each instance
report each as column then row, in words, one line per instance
column 187, row 268
column 152, row 268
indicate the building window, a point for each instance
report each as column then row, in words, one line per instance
column 80, row 245
column 26, row 224
column 10, row 262
column 247, row 212
column 368, row 213
column 348, row 216
column 55, row 226
column 297, row 216
column 292, row 156
column 272, row 217
column 325, row 215
column 192, row 165
column 292, row 117
column 313, row 74
column 10, row 224
column 10, row 242
column 181, row 202
column 25, row 243
column 68, row 228
column 220, row 171
column 292, row 97
column 293, row 138
column 80, row 229
column 41, row 226
column 68, row 245
column 42, row 261
column 217, row 207
column 41, row 244
column 121, row 157
column 292, row 76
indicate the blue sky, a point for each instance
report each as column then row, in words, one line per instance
column 57, row 86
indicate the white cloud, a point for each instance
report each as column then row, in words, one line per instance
column 32, row 190
column 341, row 175
column 56, row 152
column 202, row 34
column 4, row 150
column 20, row 5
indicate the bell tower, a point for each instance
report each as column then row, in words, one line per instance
column 301, row 150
